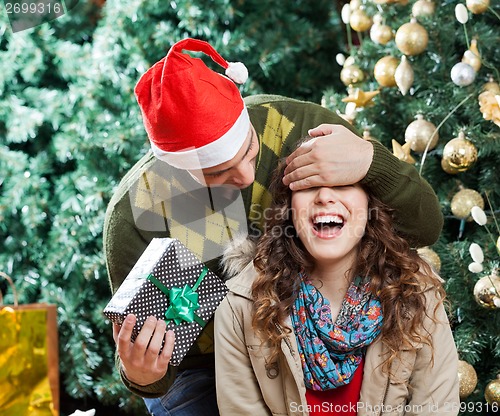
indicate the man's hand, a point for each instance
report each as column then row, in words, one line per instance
column 334, row 157
column 141, row 360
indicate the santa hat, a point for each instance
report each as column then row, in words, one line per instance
column 195, row 117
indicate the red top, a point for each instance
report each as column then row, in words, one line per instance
column 340, row 401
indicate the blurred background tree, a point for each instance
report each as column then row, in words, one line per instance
column 70, row 128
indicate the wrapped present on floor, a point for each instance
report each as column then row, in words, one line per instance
column 169, row 282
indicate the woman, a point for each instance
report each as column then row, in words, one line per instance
column 335, row 315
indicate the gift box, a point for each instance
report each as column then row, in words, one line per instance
column 29, row 358
column 169, row 282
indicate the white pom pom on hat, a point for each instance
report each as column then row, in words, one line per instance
column 237, row 71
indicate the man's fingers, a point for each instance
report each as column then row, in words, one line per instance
column 142, row 341
column 306, row 157
column 116, row 331
column 309, row 182
column 300, row 151
column 321, row 130
column 157, row 339
column 294, row 163
column 125, row 333
column 298, row 173
column 168, row 348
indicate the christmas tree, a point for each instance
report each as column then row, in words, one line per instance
column 51, row 205
column 70, row 129
column 422, row 77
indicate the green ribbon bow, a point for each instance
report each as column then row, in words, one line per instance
column 183, row 301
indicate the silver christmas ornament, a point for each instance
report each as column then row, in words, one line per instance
column 462, row 74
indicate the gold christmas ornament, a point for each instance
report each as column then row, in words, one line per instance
column 380, row 33
column 447, row 168
column 404, row 75
column 487, row 291
column 384, row 71
column 419, row 133
column 489, row 102
column 360, row 21
column 492, row 86
column 412, row 38
column 463, row 201
column 472, row 57
column 423, row 8
column 431, row 257
column 467, row 379
column 359, row 97
column 402, row 152
column 351, row 75
column 460, row 153
column 477, row 6
column 492, row 391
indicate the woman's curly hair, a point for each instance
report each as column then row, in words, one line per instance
column 396, row 273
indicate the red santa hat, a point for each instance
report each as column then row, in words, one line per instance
column 195, row 117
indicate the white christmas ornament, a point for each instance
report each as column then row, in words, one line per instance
column 340, row 58
column 478, row 215
column 346, row 13
column 350, row 109
column 462, row 74
column 404, row 75
column 90, row 412
column 461, row 13
column 476, row 267
column 476, row 253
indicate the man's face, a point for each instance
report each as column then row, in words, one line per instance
column 238, row 172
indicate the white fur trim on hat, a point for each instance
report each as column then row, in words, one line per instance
column 212, row 154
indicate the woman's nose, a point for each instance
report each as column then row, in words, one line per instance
column 325, row 195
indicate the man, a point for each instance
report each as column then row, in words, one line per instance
column 212, row 155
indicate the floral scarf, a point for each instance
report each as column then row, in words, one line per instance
column 330, row 352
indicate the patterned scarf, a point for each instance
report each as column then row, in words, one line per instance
column 330, row 352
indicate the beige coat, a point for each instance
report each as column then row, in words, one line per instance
column 244, row 387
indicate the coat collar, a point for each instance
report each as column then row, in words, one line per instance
column 242, row 284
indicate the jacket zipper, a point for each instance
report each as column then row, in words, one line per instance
column 287, row 341
column 385, row 395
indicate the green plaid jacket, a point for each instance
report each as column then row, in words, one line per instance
column 156, row 200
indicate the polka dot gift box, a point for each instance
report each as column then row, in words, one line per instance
column 169, row 282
